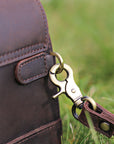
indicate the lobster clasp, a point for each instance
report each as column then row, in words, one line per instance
column 68, row 86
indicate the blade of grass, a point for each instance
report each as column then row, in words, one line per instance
column 93, row 132
column 85, row 138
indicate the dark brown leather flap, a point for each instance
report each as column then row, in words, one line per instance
column 23, row 30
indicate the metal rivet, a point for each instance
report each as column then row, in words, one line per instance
column 73, row 90
column 105, row 126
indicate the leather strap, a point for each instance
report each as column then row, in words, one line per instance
column 98, row 118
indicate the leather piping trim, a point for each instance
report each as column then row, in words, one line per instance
column 10, row 57
column 52, row 125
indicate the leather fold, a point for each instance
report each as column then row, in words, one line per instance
column 52, row 126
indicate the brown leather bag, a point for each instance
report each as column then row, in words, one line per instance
column 28, row 114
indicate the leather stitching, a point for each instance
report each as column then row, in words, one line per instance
column 36, row 76
column 44, row 47
column 9, row 59
column 45, row 20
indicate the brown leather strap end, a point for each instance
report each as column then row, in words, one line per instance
column 103, row 120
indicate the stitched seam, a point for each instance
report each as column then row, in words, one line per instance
column 45, row 20
column 21, row 49
column 29, row 61
column 41, row 132
column 50, row 45
column 46, row 39
column 45, row 63
column 9, row 59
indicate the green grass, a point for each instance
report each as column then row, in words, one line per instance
column 82, row 31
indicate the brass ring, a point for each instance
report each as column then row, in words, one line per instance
column 61, row 67
column 92, row 102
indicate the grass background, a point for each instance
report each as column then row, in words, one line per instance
column 82, row 31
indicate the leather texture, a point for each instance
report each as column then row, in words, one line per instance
column 28, row 114
column 99, row 116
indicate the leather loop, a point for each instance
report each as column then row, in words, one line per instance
column 98, row 117
column 33, row 68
